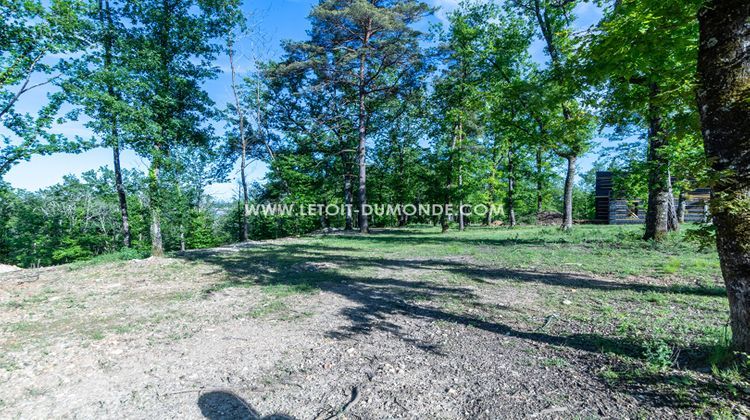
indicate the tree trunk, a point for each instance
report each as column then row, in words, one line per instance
column 157, row 245
column 539, row 180
column 245, row 199
column 121, row 196
column 105, row 19
column 661, row 214
column 243, row 139
column 362, row 130
column 724, row 89
column 568, row 195
column 348, row 195
column 402, row 216
column 511, row 187
column 461, row 219
column 673, row 223
column 444, row 221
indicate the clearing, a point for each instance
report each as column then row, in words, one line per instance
column 408, row 323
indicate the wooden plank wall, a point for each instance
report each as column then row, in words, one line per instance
column 622, row 211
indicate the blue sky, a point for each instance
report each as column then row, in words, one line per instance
column 274, row 20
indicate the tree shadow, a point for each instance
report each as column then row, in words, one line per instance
column 380, row 300
column 226, row 405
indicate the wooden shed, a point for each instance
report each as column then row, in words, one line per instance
column 613, row 210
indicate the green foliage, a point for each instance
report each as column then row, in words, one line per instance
column 703, row 235
column 658, row 355
column 33, row 35
column 79, row 219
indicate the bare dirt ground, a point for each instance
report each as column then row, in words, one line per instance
column 289, row 333
column 7, row 268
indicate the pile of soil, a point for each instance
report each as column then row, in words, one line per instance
column 548, row 218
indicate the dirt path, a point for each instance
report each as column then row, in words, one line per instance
column 186, row 338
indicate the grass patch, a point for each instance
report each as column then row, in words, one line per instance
column 268, row 308
column 123, row 255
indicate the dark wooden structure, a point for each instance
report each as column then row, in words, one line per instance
column 614, row 210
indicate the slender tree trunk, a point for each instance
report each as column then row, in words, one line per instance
column 461, row 219
column 348, row 194
column 183, row 246
column 161, row 145
column 568, row 195
column 673, row 223
column 661, row 206
column 491, row 194
column 244, row 229
column 539, row 180
column 243, row 139
column 444, row 221
column 362, row 130
column 122, row 198
column 549, row 33
column 157, row 245
column 724, row 89
column 105, row 18
column 511, row 187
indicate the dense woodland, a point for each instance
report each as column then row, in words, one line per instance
column 374, row 106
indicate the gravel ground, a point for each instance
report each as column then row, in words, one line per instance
column 169, row 339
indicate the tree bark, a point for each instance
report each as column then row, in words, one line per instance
column 661, row 213
column 362, row 130
column 673, row 223
column 511, row 187
column 157, row 244
column 461, row 216
column 105, row 18
column 243, row 140
column 539, row 180
column 724, row 104
column 348, row 198
column 444, row 221
column 548, row 33
column 121, row 196
column 567, row 223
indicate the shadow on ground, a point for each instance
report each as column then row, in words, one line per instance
column 226, row 405
column 378, row 298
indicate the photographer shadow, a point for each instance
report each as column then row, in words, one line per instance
column 226, row 405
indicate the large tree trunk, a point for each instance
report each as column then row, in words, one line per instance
column 661, row 212
column 568, row 194
column 724, row 102
column 511, row 187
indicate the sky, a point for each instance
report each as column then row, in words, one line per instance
column 273, row 21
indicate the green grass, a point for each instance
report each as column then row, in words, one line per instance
column 124, row 255
column 655, row 312
column 607, row 250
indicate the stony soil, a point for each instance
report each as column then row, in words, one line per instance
column 231, row 333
